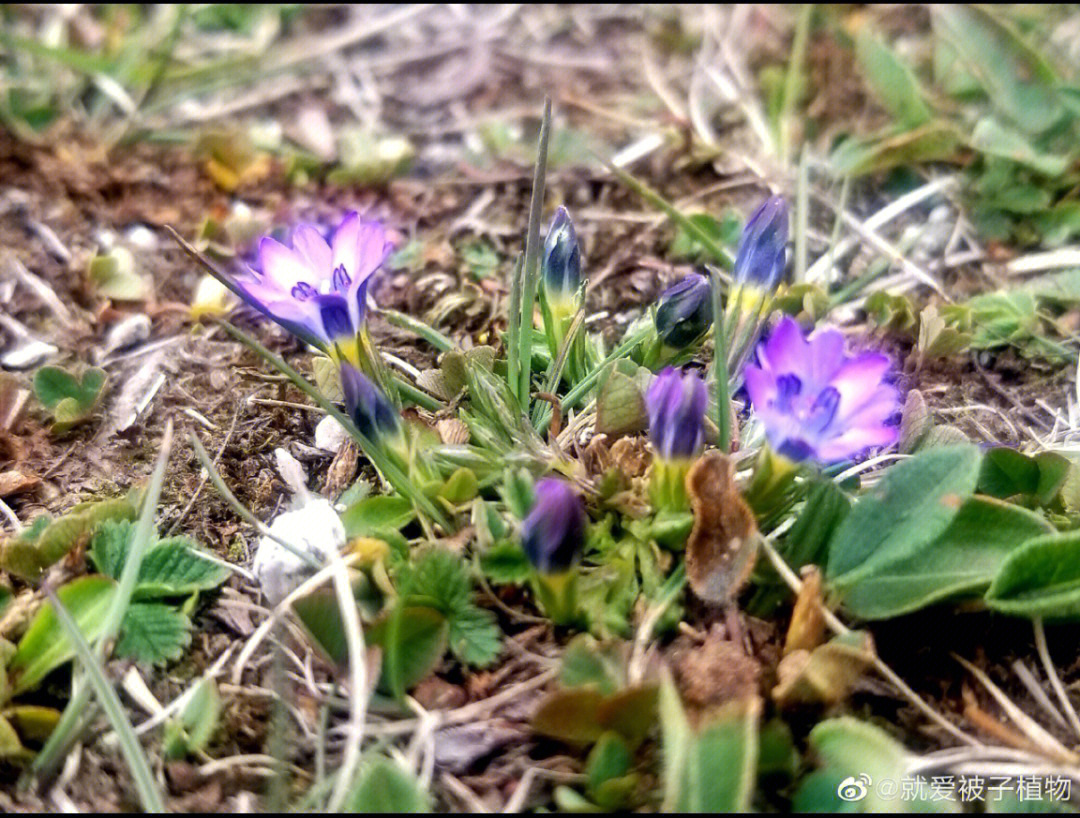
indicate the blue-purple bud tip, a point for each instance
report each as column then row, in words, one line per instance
column 685, row 311
column 553, row 533
column 561, row 269
column 763, row 246
column 676, row 405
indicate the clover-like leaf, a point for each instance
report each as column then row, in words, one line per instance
column 70, row 399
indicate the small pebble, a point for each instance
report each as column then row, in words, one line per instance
column 330, row 435
column 127, row 332
column 315, row 529
column 27, row 354
column 141, row 236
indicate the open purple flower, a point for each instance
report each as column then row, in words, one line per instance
column 316, row 288
column 816, row 402
column 553, row 533
column 676, row 405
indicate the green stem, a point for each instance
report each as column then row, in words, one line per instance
column 429, row 334
column 720, row 369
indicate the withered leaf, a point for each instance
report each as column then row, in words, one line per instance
column 723, row 544
column 825, row 675
column 807, row 628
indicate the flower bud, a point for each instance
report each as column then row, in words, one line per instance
column 368, row 407
column 553, row 533
column 685, row 311
column 763, row 246
column 561, row 270
column 676, row 405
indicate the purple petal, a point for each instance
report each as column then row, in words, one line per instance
column 859, row 378
column 854, row 442
column 282, row 266
column 826, row 355
column 760, row 385
column 309, row 243
column 786, row 350
column 879, row 407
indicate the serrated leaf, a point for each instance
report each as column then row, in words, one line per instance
column 382, row 786
column 1041, row 578
column 44, row 646
column 413, row 639
column 913, row 504
column 153, row 633
column 475, row 637
column 962, row 561
column 173, row 567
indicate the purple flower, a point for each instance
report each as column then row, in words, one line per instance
column 763, row 246
column 367, row 405
column 553, row 533
column 816, row 402
column 685, row 311
column 676, row 405
column 317, row 288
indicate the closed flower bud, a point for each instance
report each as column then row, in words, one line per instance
column 676, row 405
column 368, row 407
column 685, row 311
column 553, row 533
column 763, row 246
column 561, row 269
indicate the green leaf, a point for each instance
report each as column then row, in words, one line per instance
column 934, row 141
column 913, row 504
column 587, row 663
column 318, row 612
column 327, row 378
column 153, row 633
column 114, row 276
column 609, row 760
column 70, row 400
column 1041, row 578
column 371, row 515
column 44, row 646
column 620, row 408
column 962, row 561
column 506, row 562
column 807, row 542
column 173, row 567
column 847, row 748
column 191, row 732
column 581, row 715
column 475, row 637
column 460, row 487
column 382, row 786
column 1007, row 473
column 1018, row 81
column 413, row 639
column 891, row 80
column 995, row 139
column 723, row 233
column 714, row 768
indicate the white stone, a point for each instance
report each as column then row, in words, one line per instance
column 126, row 333
column 330, row 435
column 315, row 529
column 27, row 354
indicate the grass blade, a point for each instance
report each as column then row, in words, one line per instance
column 141, row 539
column 532, row 263
column 513, row 330
column 106, row 695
